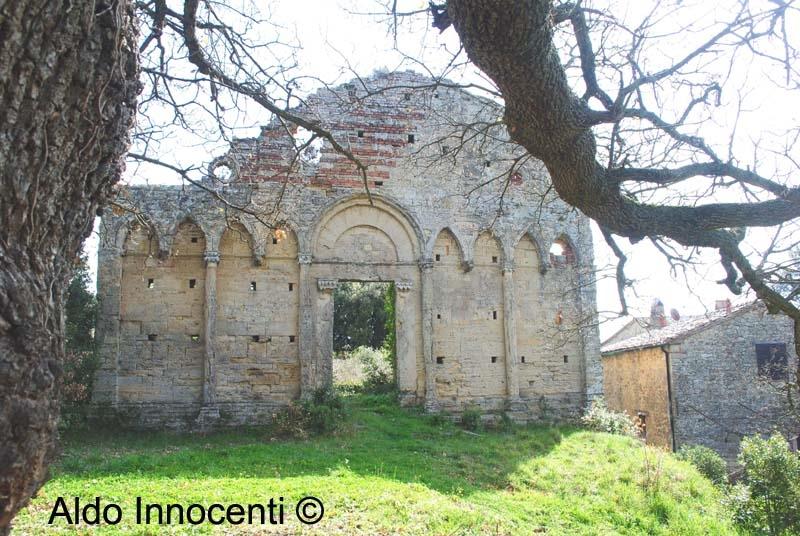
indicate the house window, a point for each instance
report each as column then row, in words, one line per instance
column 772, row 360
column 151, row 283
column 192, row 283
column 253, row 286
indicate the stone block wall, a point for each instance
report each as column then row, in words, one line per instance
column 468, row 255
column 719, row 393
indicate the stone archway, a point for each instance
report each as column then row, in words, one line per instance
column 356, row 240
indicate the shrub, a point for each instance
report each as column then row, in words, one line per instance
column 772, row 476
column 601, row 419
column 379, row 377
column 471, row 418
column 321, row 413
column 708, row 462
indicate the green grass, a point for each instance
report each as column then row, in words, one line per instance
column 393, row 471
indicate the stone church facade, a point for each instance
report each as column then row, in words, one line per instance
column 214, row 314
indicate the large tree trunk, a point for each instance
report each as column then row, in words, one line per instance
column 68, row 86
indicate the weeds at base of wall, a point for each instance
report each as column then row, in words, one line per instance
column 322, row 413
column 471, row 419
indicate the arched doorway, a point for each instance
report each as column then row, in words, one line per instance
column 356, row 240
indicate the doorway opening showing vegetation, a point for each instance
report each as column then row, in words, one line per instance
column 364, row 345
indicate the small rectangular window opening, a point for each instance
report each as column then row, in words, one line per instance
column 494, row 258
column 253, row 285
column 192, row 283
column 195, row 337
column 151, row 283
column 194, row 240
column 378, row 183
column 522, row 359
column 274, row 241
column 438, row 316
column 445, row 149
column 407, row 96
column 488, row 163
column 291, row 287
column 494, row 315
column 256, row 338
column 411, row 138
column 152, row 336
column 269, row 339
column 494, row 359
column 440, row 360
column 291, row 338
column 360, row 133
column 566, row 359
column 438, row 257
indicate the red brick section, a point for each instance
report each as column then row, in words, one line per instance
column 386, row 119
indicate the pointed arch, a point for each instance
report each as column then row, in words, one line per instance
column 236, row 241
column 447, row 249
column 542, row 260
column 488, row 249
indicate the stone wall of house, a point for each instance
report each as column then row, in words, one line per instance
column 719, row 394
column 636, row 382
column 463, row 229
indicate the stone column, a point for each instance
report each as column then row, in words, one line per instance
column 323, row 336
column 406, row 341
column 210, row 315
column 109, row 280
column 305, row 329
column 426, row 267
column 510, row 325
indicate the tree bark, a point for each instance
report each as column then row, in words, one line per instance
column 68, row 87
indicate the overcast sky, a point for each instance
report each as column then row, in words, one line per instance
column 337, row 39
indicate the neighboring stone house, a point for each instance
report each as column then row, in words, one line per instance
column 707, row 380
column 211, row 314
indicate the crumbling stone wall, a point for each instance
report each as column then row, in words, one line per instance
column 461, row 222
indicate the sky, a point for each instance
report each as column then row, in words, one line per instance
column 336, row 39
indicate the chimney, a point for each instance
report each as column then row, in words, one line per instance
column 723, row 305
column 657, row 318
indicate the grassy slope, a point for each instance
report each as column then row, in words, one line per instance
column 394, row 471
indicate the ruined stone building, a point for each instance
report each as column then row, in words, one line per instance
column 704, row 380
column 224, row 315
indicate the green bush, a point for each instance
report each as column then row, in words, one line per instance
column 376, row 363
column 708, row 462
column 322, row 413
column 771, row 503
column 601, row 419
column 471, row 418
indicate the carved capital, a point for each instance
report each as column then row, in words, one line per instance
column 403, row 285
column 426, row 264
column 304, row 258
column 211, row 257
column 327, row 284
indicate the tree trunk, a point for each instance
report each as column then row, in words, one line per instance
column 68, row 86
